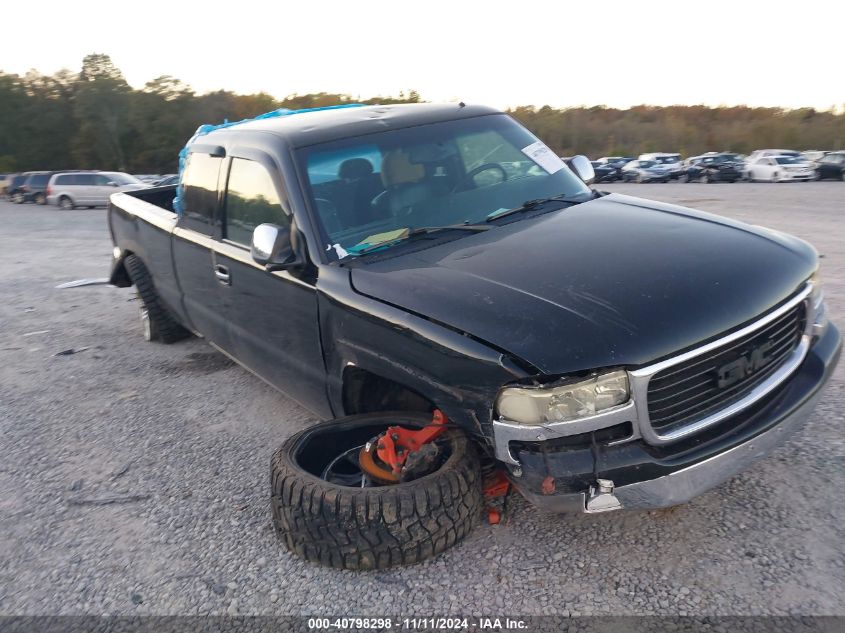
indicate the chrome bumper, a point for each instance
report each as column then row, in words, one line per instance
column 683, row 485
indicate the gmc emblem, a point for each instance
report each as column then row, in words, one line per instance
column 748, row 363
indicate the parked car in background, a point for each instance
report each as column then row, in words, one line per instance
column 814, row 155
column 672, row 163
column 4, row 181
column 615, row 161
column 605, row 172
column 759, row 153
column 168, row 179
column 150, row 179
column 779, row 169
column 14, row 183
column 74, row 189
column 645, row 171
column 715, row 168
column 33, row 188
column 831, row 166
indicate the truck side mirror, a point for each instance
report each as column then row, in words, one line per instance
column 582, row 167
column 272, row 247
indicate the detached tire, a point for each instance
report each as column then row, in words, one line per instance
column 373, row 527
column 156, row 321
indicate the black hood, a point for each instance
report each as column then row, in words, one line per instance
column 615, row 281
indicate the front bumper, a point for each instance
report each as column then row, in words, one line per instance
column 647, row 477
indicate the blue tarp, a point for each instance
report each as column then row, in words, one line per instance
column 202, row 130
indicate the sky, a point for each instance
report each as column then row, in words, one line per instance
column 560, row 53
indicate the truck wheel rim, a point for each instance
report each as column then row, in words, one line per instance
column 344, row 470
column 343, row 466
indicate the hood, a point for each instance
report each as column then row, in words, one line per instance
column 614, row 281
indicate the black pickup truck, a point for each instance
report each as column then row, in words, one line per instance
column 456, row 299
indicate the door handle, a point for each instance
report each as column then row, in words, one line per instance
column 222, row 274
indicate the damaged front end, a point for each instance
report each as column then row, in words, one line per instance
column 660, row 435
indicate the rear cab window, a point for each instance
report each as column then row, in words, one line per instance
column 199, row 192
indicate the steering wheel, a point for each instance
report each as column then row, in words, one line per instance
column 469, row 179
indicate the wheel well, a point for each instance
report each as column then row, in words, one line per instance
column 366, row 392
column 119, row 275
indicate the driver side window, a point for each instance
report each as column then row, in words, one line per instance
column 251, row 199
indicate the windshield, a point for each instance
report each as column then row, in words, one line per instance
column 376, row 188
column 648, row 163
column 667, row 160
column 787, row 160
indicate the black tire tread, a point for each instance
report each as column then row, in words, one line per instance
column 166, row 329
column 375, row 528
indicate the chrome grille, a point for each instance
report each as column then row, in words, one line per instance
column 687, row 392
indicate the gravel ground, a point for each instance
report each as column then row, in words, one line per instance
column 182, row 439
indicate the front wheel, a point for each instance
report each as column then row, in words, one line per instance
column 327, row 510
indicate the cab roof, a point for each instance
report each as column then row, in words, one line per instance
column 320, row 126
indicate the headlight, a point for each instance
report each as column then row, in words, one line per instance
column 818, row 306
column 542, row 405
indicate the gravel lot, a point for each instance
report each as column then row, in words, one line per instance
column 187, row 437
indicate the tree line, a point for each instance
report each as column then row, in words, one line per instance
column 94, row 119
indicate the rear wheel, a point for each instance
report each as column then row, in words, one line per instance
column 156, row 321
column 40, row 198
column 66, row 204
column 17, row 198
column 328, row 509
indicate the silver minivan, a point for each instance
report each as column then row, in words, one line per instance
column 88, row 189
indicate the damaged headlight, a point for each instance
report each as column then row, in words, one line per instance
column 543, row 405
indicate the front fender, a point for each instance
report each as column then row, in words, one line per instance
column 459, row 374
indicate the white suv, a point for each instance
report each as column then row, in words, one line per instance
column 88, row 189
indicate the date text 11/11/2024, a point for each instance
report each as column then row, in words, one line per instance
column 418, row 624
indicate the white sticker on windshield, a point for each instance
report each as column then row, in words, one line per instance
column 341, row 252
column 543, row 156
